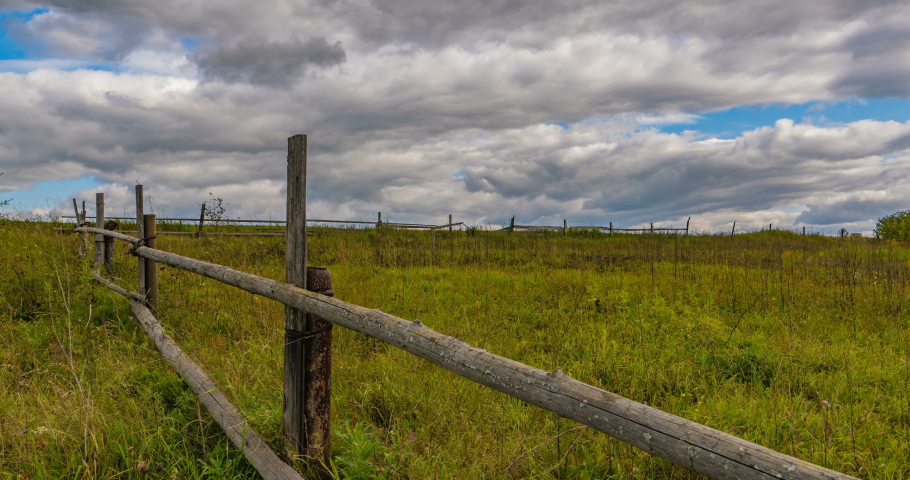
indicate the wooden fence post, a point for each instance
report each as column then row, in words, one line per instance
column 565, row 226
column 201, row 220
column 109, row 244
column 769, row 227
column 317, row 386
column 512, row 224
column 652, row 228
column 99, row 223
column 293, row 419
column 140, row 233
column 804, row 229
column 733, row 232
column 379, row 221
column 151, row 267
column 611, row 228
column 687, row 225
column 450, row 222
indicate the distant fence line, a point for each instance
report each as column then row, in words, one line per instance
column 513, row 227
column 311, row 311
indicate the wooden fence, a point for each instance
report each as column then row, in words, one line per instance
column 565, row 228
column 710, row 452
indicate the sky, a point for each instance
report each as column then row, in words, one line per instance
column 635, row 111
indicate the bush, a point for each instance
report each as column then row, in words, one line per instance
column 894, row 227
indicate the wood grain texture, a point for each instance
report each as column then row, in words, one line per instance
column 293, row 418
column 707, row 451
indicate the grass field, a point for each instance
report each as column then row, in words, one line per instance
column 798, row 343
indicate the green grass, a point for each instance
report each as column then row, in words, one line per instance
column 798, row 343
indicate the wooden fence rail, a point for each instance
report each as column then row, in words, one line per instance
column 227, row 221
column 228, row 417
column 710, row 452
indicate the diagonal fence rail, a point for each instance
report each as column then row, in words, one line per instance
column 707, row 451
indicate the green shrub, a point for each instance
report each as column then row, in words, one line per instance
column 894, row 227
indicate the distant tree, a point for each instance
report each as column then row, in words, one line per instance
column 894, row 227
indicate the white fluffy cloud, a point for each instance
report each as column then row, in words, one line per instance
column 434, row 108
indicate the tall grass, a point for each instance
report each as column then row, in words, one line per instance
column 798, row 343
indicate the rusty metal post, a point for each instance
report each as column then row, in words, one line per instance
column 109, row 244
column 151, row 266
column 317, row 385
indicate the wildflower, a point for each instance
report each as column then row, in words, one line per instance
column 825, row 403
column 107, row 323
column 24, row 430
column 131, row 318
column 161, row 268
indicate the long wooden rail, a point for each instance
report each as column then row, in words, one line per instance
column 707, row 451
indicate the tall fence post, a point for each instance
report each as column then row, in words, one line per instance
column 450, row 222
column 733, row 231
column 379, row 219
column 565, row 226
column 293, row 419
column 652, row 228
column 140, row 233
column 611, row 228
column 512, row 224
column 151, row 266
column 99, row 223
column 687, row 225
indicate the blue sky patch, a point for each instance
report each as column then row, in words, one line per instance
column 46, row 194
column 731, row 123
column 10, row 49
column 190, row 43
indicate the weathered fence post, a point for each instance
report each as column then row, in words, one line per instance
column 652, row 228
column 109, row 244
column 565, row 226
column 80, row 222
column 379, row 221
column 295, row 320
column 769, row 227
column 804, row 229
column 140, row 234
column 99, row 223
column 450, row 222
column 201, row 220
column 317, row 386
column 733, row 232
column 611, row 228
column 307, row 355
column 151, row 267
column 687, row 225
column 512, row 224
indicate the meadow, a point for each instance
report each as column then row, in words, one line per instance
column 798, row 343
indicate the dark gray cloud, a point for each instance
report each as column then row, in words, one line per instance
column 261, row 62
column 852, row 208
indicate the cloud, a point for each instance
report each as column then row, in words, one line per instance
column 448, row 108
column 261, row 62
